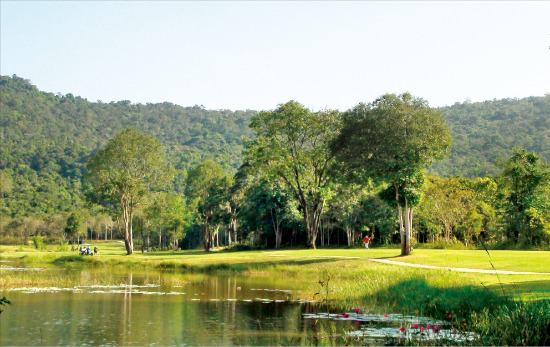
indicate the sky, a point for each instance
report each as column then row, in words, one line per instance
column 258, row 54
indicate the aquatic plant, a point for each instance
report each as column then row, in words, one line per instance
column 4, row 302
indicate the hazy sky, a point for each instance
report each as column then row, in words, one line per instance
column 255, row 55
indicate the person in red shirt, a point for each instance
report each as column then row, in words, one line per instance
column 367, row 241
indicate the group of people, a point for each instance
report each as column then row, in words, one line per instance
column 88, row 251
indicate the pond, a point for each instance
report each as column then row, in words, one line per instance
column 166, row 308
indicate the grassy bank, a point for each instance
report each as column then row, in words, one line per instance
column 475, row 301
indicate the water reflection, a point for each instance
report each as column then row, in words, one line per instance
column 155, row 308
column 128, row 319
column 116, row 307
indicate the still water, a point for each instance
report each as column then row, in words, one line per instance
column 156, row 308
column 167, row 308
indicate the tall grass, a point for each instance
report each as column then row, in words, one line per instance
column 514, row 324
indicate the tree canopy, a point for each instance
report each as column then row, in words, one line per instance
column 392, row 140
column 121, row 174
column 291, row 143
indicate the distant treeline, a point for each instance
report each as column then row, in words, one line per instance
column 47, row 140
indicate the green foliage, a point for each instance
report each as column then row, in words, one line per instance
column 515, row 324
column 457, row 209
column 75, row 225
column 291, row 143
column 46, row 139
column 527, row 203
column 204, row 189
column 38, row 242
column 392, row 140
column 124, row 172
column 485, row 132
column 4, row 302
column 392, row 136
column 418, row 295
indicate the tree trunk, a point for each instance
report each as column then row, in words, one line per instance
column 277, row 229
column 207, row 236
column 406, row 247
column 402, row 231
column 349, row 234
column 278, row 235
column 312, row 223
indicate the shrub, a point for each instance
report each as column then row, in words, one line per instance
column 9, row 241
column 62, row 248
column 38, row 242
column 237, row 247
column 166, row 265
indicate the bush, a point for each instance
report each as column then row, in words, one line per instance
column 237, row 247
column 10, row 241
column 38, row 242
column 62, row 248
column 167, row 265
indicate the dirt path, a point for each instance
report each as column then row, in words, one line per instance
column 457, row 269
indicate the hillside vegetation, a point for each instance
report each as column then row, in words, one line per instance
column 47, row 138
column 486, row 132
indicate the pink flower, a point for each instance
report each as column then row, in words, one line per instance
column 415, row 326
column 357, row 310
column 422, row 328
column 386, row 316
column 428, row 326
column 436, row 328
column 345, row 315
column 357, row 322
column 450, row 316
column 402, row 329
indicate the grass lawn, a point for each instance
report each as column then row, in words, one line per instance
column 315, row 265
column 529, row 261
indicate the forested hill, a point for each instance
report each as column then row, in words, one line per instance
column 485, row 132
column 46, row 138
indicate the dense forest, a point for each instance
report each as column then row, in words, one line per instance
column 485, row 133
column 47, row 139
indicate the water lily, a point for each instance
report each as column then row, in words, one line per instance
column 386, row 316
column 429, row 326
column 345, row 315
column 422, row 329
column 415, row 325
column 357, row 310
column 357, row 322
column 450, row 316
column 402, row 329
column 436, row 329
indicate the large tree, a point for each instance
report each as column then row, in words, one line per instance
column 122, row 173
column 204, row 194
column 393, row 140
column 291, row 143
column 527, row 202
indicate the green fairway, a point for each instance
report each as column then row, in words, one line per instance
column 527, row 261
column 315, row 265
